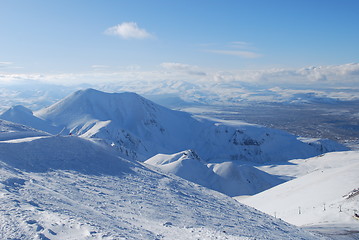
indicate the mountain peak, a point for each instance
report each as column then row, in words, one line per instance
column 94, row 93
column 163, row 159
column 16, row 110
column 91, row 104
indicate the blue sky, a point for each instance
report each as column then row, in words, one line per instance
column 74, row 36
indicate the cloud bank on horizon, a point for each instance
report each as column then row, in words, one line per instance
column 330, row 76
column 191, row 84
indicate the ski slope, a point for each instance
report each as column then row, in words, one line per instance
column 66, row 187
column 322, row 193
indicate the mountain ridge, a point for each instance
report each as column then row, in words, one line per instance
column 127, row 119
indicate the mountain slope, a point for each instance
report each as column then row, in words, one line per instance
column 10, row 131
column 142, row 129
column 324, row 196
column 125, row 120
column 22, row 115
column 73, row 188
column 236, row 180
column 226, row 177
column 187, row 165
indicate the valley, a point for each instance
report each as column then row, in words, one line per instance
column 336, row 121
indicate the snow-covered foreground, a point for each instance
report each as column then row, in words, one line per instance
column 79, row 187
column 325, row 194
column 54, row 187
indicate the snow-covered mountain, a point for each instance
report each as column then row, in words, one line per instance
column 22, row 115
column 227, row 177
column 142, row 129
column 186, row 164
column 10, row 131
column 139, row 129
column 324, row 193
column 237, row 180
column 66, row 187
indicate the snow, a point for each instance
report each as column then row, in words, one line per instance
column 22, row 115
column 9, row 131
column 227, row 177
column 66, row 187
column 300, row 167
column 316, row 198
column 238, row 180
column 90, row 185
column 140, row 129
column 186, row 165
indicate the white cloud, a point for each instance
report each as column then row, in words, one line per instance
column 241, row 45
column 214, row 86
column 98, row 66
column 346, row 75
column 5, row 64
column 321, row 76
column 177, row 66
column 128, row 30
column 181, row 67
column 239, row 49
column 244, row 54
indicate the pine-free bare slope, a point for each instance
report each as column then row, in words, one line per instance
column 55, row 187
column 325, row 192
